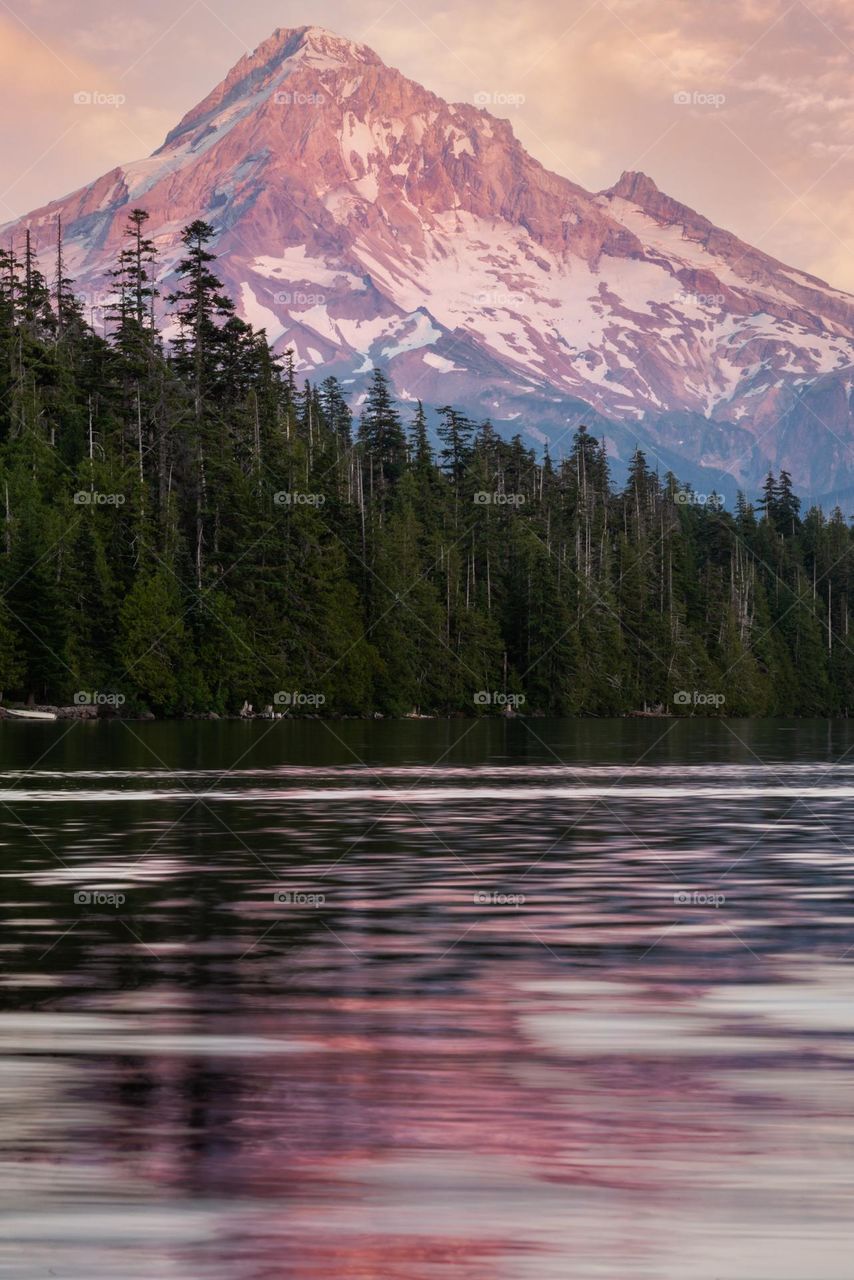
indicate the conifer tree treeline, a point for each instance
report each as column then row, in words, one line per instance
column 187, row 526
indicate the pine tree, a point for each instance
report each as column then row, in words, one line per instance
column 768, row 502
column 231, row 540
column 201, row 308
column 788, row 506
column 456, row 433
column 152, row 643
column 382, row 438
column 36, row 605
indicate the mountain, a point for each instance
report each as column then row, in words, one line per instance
column 363, row 220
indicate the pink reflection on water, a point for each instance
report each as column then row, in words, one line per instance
column 542, row 1128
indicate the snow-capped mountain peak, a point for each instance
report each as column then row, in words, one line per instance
column 361, row 219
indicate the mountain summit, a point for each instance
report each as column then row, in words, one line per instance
column 363, row 220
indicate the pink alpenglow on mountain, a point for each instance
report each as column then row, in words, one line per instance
column 361, row 220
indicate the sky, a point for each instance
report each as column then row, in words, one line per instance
column 742, row 109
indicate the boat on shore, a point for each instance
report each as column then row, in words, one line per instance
column 29, row 715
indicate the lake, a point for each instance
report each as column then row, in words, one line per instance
column 485, row 1000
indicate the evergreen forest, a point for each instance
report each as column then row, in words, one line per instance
column 187, row 527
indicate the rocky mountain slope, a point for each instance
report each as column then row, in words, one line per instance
column 363, row 220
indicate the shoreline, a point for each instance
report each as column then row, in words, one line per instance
column 90, row 714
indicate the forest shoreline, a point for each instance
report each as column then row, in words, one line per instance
column 187, row 532
column 83, row 715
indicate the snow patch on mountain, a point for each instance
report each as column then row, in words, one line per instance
column 440, row 363
column 363, row 221
column 259, row 316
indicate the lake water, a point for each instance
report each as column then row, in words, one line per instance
column 406, row 1001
